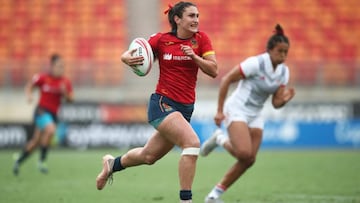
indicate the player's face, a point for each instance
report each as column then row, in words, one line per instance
column 58, row 68
column 279, row 53
column 189, row 22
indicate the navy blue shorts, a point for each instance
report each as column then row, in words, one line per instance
column 161, row 106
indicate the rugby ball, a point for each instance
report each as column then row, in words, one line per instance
column 143, row 48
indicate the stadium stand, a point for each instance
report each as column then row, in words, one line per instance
column 91, row 35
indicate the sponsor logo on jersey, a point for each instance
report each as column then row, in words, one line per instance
column 182, row 58
column 169, row 43
column 167, row 56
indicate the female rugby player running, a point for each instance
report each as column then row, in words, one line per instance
column 53, row 87
column 259, row 77
column 181, row 53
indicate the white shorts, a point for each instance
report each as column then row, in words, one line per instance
column 234, row 113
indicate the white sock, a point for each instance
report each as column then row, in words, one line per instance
column 217, row 191
column 221, row 139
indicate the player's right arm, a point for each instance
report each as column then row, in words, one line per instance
column 29, row 87
column 234, row 75
column 28, row 91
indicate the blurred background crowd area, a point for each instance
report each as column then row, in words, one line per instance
column 91, row 35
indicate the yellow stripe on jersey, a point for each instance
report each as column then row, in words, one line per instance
column 208, row 53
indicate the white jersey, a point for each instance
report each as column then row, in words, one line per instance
column 260, row 81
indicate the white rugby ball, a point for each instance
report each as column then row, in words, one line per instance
column 143, row 48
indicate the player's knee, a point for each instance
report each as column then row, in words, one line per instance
column 191, row 143
column 190, row 151
column 245, row 156
column 150, row 159
column 252, row 162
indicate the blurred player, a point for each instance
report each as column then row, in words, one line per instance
column 259, row 77
column 181, row 53
column 53, row 87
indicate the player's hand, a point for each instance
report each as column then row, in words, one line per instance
column 286, row 94
column 219, row 117
column 63, row 89
column 282, row 96
column 29, row 99
column 131, row 60
column 187, row 50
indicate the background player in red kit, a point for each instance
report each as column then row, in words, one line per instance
column 53, row 87
column 181, row 53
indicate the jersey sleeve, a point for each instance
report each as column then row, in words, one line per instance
column 154, row 42
column 206, row 45
column 249, row 67
column 68, row 86
column 286, row 76
column 37, row 79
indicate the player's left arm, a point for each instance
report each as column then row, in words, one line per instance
column 206, row 63
column 282, row 96
column 67, row 91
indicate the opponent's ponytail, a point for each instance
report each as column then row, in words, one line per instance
column 277, row 37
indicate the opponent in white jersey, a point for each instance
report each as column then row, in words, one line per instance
column 259, row 77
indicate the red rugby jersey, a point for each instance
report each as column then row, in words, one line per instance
column 178, row 72
column 50, row 90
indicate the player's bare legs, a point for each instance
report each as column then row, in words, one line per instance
column 34, row 141
column 174, row 130
column 45, row 142
column 156, row 147
column 243, row 144
column 244, row 152
column 29, row 147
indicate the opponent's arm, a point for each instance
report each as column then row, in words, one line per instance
column 232, row 76
column 282, row 96
column 66, row 91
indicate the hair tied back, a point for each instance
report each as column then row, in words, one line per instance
column 279, row 30
column 168, row 9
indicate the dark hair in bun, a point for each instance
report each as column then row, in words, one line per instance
column 277, row 37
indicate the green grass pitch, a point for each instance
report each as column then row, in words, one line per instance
column 289, row 176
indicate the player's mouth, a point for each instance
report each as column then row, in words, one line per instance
column 194, row 26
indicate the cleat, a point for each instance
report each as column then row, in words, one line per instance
column 210, row 144
column 43, row 168
column 213, row 200
column 186, row 201
column 16, row 168
column 106, row 173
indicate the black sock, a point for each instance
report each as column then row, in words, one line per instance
column 117, row 165
column 23, row 156
column 43, row 153
column 185, row 195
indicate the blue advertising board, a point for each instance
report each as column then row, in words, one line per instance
column 300, row 134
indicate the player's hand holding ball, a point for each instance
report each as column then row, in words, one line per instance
column 283, row 95
column 130, row 59
column 139, row 56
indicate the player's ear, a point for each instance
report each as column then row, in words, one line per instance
column 177, row 19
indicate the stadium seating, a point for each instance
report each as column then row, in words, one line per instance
column 91, row 31
column 91, row 35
